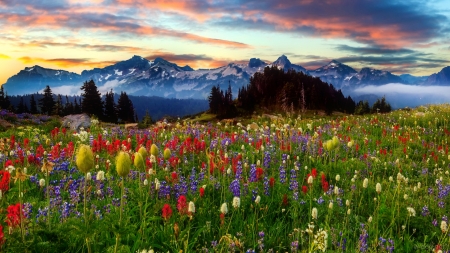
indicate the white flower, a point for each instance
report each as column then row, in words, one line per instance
column 101, row 175
column 191, row 207
column 157, row 184
column 257, row 200
column 444, row 226
column 370, row 219
column 378, row 187
column 224, row 208
column 42, row 182
column 349, row 211
column 365, row 182
column 411, row 211
column 330, row 205
column 336, row 190
column 314, row 213
column 88, row 176
column 347, row 202
column 338, row 177
column 310, row 180
column 146, row 182
column 405, row 196
column 236, row 202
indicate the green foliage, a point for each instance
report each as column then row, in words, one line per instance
column 92, row 103
column 47, row 102
column 125, row 108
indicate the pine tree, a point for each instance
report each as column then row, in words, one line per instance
column 58, row 108
column 146, row 120
column 68, row 107
column 4, row 99
column 76, row 107
column 110, row 108
column 21, row 106
column 92, row 102
column 33, row 106
column 47, row 102
column 125, row 108
column 215, row 99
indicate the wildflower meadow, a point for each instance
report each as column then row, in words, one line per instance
column 373, row 183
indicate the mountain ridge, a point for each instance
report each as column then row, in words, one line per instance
column 140, row 76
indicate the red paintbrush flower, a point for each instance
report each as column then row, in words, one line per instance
column 202, row 191
column 182, row 205
column 13, row 215
column 166, row 211
column 304, row 189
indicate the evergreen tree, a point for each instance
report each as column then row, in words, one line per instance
column 76, row 107
column 215, row 99
column 33, row 106
column 110, row 108
column 21, row 107
column 68, row 107
column 4, row 99
column 125, row 109
column 146, row 120
column 92, row 102
column 47, row 102
column 58, row 108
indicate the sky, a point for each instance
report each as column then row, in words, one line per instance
column 398, row 36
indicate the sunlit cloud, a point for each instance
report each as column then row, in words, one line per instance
column 4, row 56
column 66, row 63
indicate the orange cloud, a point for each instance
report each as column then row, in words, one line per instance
column 66, row 62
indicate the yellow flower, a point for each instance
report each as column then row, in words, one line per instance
column 85, row 158
column 154, row 150
column 167, row 153
column 143, row 152
column 47, row 166
column 123, row 164
column 139, row 161
column 20, row 175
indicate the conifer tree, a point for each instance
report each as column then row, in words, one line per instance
column 21, row 107
column 33, row 105
column 58, row 108
column 76, row 107
column 47, row 102
column 110, row 108
column 92, row 102
column 125, row 108
column 68, row 107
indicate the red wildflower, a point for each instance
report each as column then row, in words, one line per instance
column 4, row 180
column 314, row 172
column 259, row 173
column 325, row 186
column 304, row 189
column 182, row 205
column 166, row 211
column 202, row 191
column 8, row 163
column 285, row 200
column 272, row 182
column 13, row 215
column 174, row 176
column 2, row 235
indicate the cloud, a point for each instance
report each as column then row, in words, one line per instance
column 401, row 95
column 66, row 62
column 375, row 50
column 76, row 20
column 4, row 56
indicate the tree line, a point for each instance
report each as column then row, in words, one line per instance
column 90, row 102
column 114, row 105
column 291, row 91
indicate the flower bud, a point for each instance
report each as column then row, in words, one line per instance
column 167, row 153
column 85, row 158
column 123, row 164
column 154, row 150
column 314, row 213
column 143, row 152
column 139, row 161
column 42, row 182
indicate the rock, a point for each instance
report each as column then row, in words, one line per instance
column 131, row 126
column 5, row 124
column 76, row 121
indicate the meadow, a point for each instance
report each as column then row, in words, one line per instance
column 372, row 183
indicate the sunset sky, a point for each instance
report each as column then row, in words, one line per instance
column 399, row 36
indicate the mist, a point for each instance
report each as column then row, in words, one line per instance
column 402, row 95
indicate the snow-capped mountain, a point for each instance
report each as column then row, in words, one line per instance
column 410, row 79
column 283, row 63
column 142, row 77
column 336, row 73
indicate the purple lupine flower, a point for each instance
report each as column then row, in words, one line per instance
column 235, row 188
column 252, row 177
column 363, row 239
column 266, row 186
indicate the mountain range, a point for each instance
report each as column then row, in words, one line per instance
column 141, row 77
